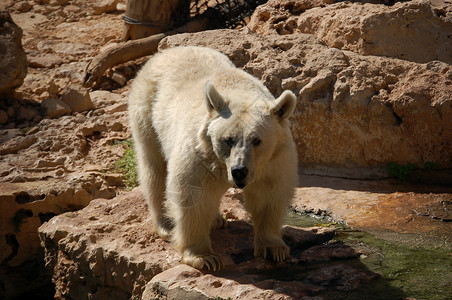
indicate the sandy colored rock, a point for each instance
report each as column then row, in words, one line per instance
column 44, row 60
column 115, row 235
column 52, row 168
column 13, row 61
column 105, row 98
column 23, row 6
column 104, row 6
column 55, row 107
column 58, row 2
column 16, row 144
column 119, row 78
column 355, row 113
column 413, row 30
column 64, row 48
column 109, row 235
column 77, row 98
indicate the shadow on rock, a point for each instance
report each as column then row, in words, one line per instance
column 109, row 250
column 317, row 267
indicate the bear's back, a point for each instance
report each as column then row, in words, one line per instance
column 186, row 65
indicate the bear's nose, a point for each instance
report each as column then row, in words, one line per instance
column 239, row 173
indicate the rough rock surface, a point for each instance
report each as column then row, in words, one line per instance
column 58, row 162
column 45, row 176
column 77, row 99
column 109, row 249
column 104, row 6
column 13, row 60
column 56, row 165
column 55, row 108
column 413, row 30
column 355, row 113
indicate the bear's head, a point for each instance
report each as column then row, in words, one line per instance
column 246, row 128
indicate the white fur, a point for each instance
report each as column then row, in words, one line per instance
column 183, row 104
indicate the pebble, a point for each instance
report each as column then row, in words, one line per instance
column 78, row 99
column 33, row 130
column 105, row 6
column 44, row 60
column 59, row 172
column 119, row 78
column 72, row 8
column 23, row 6
column 3, row 117
column 27, row 113
column 55, row 107
column 10, row 111
column 58, row 2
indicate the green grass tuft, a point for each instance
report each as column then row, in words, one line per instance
column 127, row 165
column 400, row 172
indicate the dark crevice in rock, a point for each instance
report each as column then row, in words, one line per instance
column 12, row 242
column 45, row 217
column 24, row 198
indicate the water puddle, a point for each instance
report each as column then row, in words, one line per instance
column 409, row 267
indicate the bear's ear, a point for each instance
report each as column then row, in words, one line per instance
column 284, row 105
column 214, row 100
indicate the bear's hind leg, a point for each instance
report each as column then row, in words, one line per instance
column 152, row 177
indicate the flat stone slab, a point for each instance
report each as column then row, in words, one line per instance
column 109, row 249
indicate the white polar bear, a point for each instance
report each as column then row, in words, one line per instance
column 200, row 126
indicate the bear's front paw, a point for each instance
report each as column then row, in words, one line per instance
column 164, row 227
column 212, row 262
column 278, row 249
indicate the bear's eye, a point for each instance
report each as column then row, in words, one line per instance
column 229, row 141
column 256, row 141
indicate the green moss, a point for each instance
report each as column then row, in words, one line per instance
column 403, row 173
column 406, row 269
column 127, row 165
column 416, row 272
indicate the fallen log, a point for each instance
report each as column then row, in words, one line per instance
column 133, row 49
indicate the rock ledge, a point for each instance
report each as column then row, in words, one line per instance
column 109, row 249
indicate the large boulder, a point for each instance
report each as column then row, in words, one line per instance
column 13, row 60
column 413, row 30
column 355, row 113
column 110, row 250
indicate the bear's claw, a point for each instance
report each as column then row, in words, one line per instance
column 212, row 262
column 279, row 253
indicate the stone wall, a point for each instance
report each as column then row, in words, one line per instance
column 355, row 113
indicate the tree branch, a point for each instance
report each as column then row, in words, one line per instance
column 134, row 49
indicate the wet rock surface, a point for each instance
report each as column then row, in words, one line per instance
column 420, row 213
